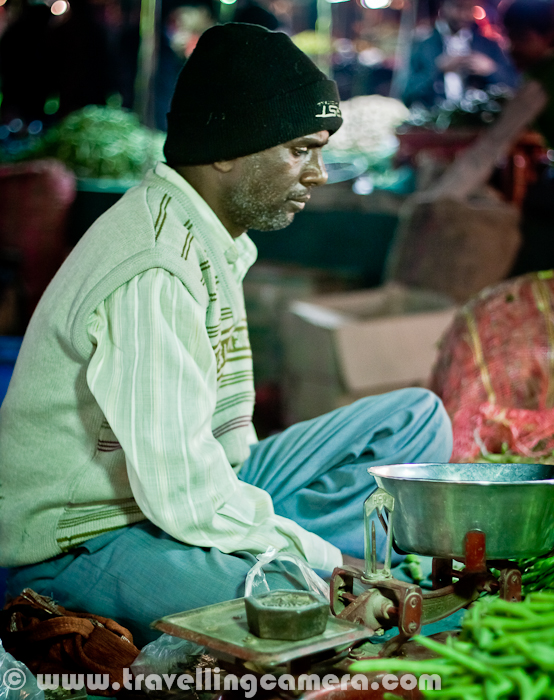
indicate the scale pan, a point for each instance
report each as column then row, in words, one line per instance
column 436, row 505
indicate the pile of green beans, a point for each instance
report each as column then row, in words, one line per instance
column 505, row 650
column 537, row 573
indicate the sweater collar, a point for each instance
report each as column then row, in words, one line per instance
column 241, row 252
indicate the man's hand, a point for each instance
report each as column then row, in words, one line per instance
column 480, row 64
column 451, row 64
column 347, row 560
column 475, row 63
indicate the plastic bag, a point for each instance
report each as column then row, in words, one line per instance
column 16, row 681
column 256, row 582
column 167, row 654
column 165, row 658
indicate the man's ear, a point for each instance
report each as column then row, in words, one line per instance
column 224, row 166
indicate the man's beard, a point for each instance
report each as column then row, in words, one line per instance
column 254, row 203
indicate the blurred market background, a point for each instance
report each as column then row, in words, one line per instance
column 85, row 87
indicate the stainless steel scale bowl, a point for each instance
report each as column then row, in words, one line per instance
column 436, row 505
column 485, row 515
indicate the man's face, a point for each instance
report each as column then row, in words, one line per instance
column 458, row 14
column 184, row 26
column 268, row 188
column 529, row 47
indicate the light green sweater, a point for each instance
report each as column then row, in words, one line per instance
column 180, row 401
column 57, row 488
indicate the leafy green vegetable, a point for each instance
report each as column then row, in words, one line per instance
column 102, row 142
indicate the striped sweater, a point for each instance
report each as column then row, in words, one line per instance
column 133, row 393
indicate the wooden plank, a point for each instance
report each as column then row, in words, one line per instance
column 473, row 166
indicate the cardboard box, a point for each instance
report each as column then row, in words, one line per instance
column 341, row 347
column 269, row 288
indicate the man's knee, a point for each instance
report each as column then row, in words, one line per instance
column 428, row 419
column 433, row 416
column 421, row 402
column 425, row 398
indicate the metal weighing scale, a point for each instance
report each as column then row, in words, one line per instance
column 482, row 516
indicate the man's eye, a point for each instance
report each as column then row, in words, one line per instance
column 300, row 151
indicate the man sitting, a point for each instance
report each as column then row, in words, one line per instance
column 132, row 483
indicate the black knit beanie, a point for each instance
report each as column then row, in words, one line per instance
column 245, row 89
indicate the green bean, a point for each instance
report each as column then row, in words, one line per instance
column 495, row 690
column 463, row 692
column 514, row 660
column 506, row 641
column 526, row 685
column 485, row 637
column 412, row 567
column 451, row 653
column 543, row 682
column 538, row 573
column 460, row 646
column 509, row 624
column 511, row 609
column 395, row 664
column 539, row 654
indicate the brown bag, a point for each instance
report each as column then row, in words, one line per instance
column 49, row 639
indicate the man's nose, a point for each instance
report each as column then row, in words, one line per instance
column 315, row 172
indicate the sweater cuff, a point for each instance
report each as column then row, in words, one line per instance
column 324, row 556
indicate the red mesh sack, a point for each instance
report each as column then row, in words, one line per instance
column 495, row 371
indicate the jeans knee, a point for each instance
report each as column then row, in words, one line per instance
column 426, row 400
column 432, row 413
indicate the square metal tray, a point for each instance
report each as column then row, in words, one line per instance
column 223, row 627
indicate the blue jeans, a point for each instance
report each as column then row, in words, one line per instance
column 316, row 473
